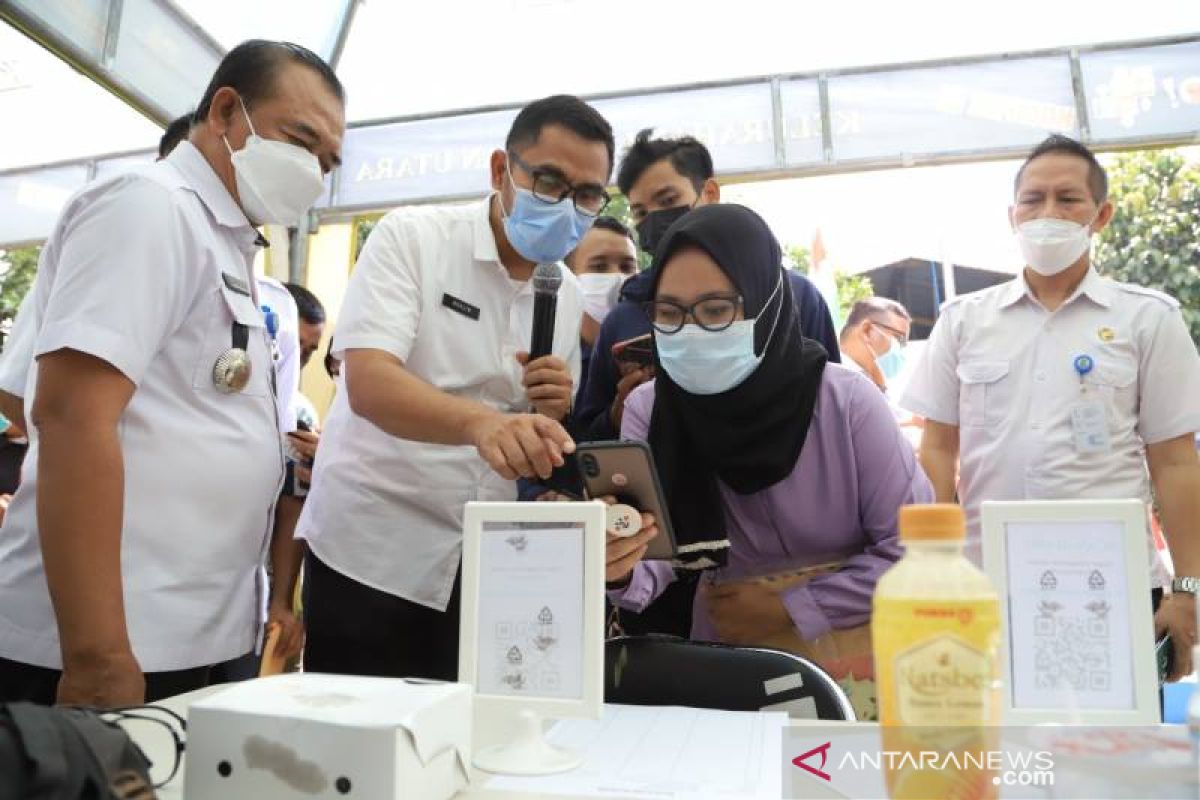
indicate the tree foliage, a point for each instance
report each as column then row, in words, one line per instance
column 17, row 268
column 618, row 209
column 1154, row 237
column 362, row 229
column 850, row 288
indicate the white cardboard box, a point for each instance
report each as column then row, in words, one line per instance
column 309, row 736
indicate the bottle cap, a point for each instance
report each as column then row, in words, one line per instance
column 932, row 522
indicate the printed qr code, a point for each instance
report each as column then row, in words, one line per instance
column 1071, row 651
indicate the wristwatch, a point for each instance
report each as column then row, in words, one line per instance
column 1187, row 584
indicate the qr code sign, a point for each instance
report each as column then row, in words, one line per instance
column 1072, row 651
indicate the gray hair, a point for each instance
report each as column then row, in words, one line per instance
column 873, row 308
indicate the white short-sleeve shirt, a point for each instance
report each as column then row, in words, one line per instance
column 17, row 357
column 428, row 288
column 18, row 347
column 149, row 271
column 1002, row 368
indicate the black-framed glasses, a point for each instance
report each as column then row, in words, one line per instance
column 550, row 186
column 710, row 313
column 160, row 774
column 900, row 335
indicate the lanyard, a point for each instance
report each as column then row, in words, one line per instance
column 1083, row 364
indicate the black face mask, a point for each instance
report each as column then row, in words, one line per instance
column 654, row 225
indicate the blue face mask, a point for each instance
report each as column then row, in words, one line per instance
column 543, row 232
column 891, row 363
column 711, row 362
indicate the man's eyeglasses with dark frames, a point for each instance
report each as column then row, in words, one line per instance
column 550, row 186
column 901, row 336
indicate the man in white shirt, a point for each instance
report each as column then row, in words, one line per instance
column 130, row 555
column 437, row 393
column 274, row 297
column 1062, row 384
column 874, row 339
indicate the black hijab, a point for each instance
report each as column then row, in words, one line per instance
column 751, row 435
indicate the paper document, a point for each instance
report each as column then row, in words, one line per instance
column 531, row 612
column 665, row 752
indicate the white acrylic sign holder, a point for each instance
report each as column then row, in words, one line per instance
column 531, row 638
column 1036, row 553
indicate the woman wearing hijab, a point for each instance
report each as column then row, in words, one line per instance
column 783, row 474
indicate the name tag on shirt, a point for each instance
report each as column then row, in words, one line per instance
column 235, row 284
column 1089, row 423
column 460, row 306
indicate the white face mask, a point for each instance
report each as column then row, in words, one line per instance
column 600, row 292
column 276, row 181
column 1049, row 246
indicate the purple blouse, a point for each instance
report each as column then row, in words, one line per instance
column 839, row 504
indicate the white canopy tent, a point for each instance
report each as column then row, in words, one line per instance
column 432, row 87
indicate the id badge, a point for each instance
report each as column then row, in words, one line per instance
column 1089, row 423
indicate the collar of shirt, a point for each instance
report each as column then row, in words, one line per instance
column 202, row 179
column 1095, row 287
column 485, row 240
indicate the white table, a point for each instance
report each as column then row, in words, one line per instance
column 1122, row 774
column 155, row 745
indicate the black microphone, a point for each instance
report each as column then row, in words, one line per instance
column 546, row 280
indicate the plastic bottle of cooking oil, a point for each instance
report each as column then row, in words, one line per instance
column 936, row 637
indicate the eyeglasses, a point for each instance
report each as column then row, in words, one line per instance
column 550, row 186
column 160, row 774
column 710, row 313
column 901, row 336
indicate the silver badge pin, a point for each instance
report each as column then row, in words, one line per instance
column 232, row 371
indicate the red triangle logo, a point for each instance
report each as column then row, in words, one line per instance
column 818, row 771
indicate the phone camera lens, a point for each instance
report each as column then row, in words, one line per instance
column 590, row 466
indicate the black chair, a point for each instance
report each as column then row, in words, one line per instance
column 666, row 671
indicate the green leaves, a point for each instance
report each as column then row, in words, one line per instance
column 850, row 288
column 17, row 268
column 1154, row 237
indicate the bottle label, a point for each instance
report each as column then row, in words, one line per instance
column 937, row 661
column 943, row 681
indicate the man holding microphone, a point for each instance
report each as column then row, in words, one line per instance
column 439, row 388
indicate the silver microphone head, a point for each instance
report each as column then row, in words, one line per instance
column 546, row 279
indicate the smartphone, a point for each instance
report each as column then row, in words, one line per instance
column 626, row 471
column 638, row 350
column 1164, row 651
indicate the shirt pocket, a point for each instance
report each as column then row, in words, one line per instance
column 982, row 401
column 1115, row 380
column 228, row 306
